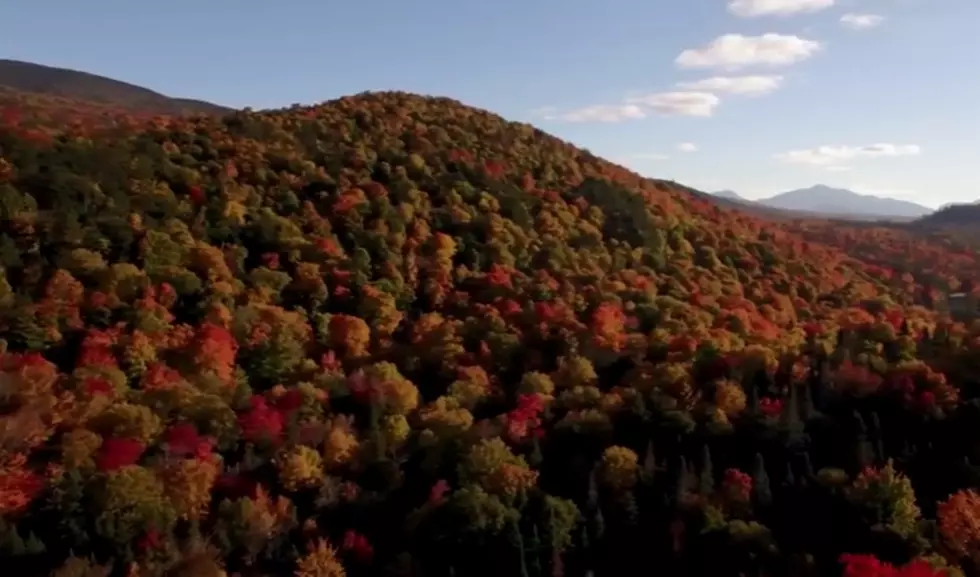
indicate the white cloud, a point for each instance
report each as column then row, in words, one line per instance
column 861, row 21
column 749, row 85
column 679, row 103
column 755, row 8
column 600, row 113
column 687, row 147
column 734, row 51
column 838, row 168
column 833, row 155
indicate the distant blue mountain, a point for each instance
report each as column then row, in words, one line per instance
column 729, row 194
column 838, row 202
column 828, row 200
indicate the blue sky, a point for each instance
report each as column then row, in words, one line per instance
column 881, row 96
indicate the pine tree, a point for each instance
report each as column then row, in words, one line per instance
column 760, row 482
column 878, row 438
column 864, row 454
column 33, row 545
column 807, row 406
column 789, row 479
column 516, row 540
column 860, row 425
column 808, row 473
column 631, row 513
column 639, row 406
column 790, row 425
column 14, row 544
column 752, row 391
column 534, row 551
column 584, row 542
column 707, row 478
column 593, row 495
column 597, row 524
column 535, row 457
column 681, row 485
column 376, row 434
column 649, row 463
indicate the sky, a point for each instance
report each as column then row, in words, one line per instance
column 756, row 96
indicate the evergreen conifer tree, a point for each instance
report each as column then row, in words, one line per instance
column 707, row 477
column 761, row 491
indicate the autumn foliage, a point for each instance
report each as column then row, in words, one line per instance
column 395, row 335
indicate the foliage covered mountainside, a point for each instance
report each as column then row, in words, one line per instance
column 395, row 335
column 34, row 78
column 953, row 216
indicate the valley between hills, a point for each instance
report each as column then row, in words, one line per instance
column 392, row 334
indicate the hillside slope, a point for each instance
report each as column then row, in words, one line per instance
column 83, row 86
column 396, row 335
column 955, row 216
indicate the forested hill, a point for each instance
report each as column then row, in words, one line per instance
column 962, row 216
column 34, row 78
column 396, row 335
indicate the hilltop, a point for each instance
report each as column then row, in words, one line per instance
column 394, row 334
column 53, row 81
column 729, row 195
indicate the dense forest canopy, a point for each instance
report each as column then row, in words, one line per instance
column 396, row 335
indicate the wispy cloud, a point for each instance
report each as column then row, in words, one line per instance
column 687, row 147
column 735, row 51
column 836, row 155
column 681, row 103
column 748, row 85
column 756, row 8
column 677, row 103
column 600, row 113
column 861, row 21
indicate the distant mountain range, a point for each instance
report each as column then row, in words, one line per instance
column 827, row 200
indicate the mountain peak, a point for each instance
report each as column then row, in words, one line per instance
column 729, row 194
column 832, row 200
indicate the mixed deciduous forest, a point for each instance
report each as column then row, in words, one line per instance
column 395, row 335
